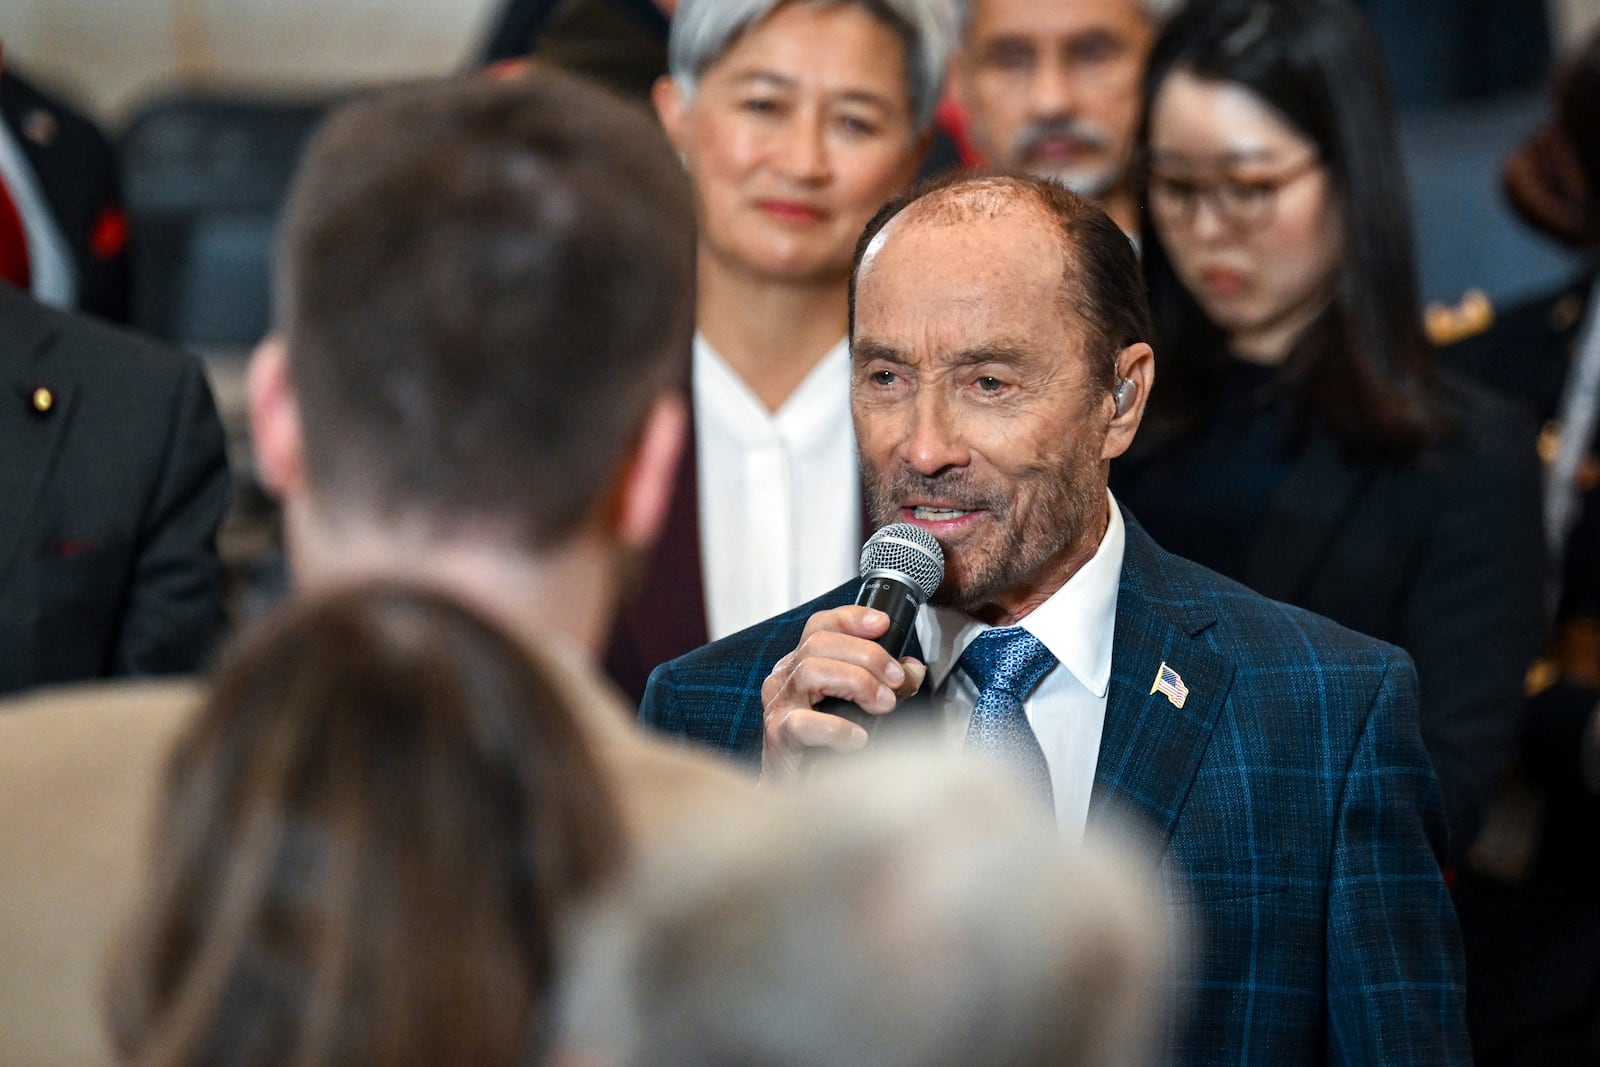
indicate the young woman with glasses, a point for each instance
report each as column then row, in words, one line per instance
column 1300, row 439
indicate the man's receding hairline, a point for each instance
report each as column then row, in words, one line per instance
column 988, row 197
column 990, row 194
column 982, row 199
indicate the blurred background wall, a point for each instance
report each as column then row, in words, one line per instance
column 110, row 55
column 1571, row 19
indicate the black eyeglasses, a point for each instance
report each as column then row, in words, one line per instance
column 1244, row 204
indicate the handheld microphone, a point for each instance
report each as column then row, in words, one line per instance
column 901, row 566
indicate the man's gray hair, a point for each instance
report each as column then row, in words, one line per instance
column 1157, row 11
column 702, row 30
column 915, row 911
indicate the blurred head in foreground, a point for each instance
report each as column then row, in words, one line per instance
column 903, row 910
column 364, row 844
column 484, row 300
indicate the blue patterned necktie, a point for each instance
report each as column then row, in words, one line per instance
column 1005, row 665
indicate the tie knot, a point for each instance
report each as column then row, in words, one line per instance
column 1009, row 659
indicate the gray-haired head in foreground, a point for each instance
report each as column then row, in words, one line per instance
column 1157, row 11
column 908, row 912
column 702, row 30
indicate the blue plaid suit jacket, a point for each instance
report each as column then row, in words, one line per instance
column 1290, row 794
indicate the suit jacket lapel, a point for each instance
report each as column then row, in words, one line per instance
column 1150, row 748
column 1304, row 519
column 30, row 437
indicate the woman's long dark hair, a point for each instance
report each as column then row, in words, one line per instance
column 1363, row 370
column 367, row 841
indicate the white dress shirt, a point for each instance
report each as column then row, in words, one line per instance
column 780, row 493
column 1067, row 710
column 53, row 277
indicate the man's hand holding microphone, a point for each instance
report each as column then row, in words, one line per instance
column 850, row 663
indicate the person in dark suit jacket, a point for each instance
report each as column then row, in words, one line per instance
column 1303, row 442
column 1528, row 357
column 1440, row 555
column 113, row 482
column 76, row 173
column 1525, row 353
column 1272, row 756
column 1534, row 352
column 1530, row 913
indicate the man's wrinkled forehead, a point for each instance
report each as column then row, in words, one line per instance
column 959, row 267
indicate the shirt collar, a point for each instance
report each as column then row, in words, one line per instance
column 1075, row 623
column 813, row 409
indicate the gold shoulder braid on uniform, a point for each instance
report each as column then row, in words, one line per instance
column 1447, row 324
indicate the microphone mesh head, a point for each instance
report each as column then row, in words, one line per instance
column 908, row 550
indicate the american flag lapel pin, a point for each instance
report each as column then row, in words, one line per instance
column 1168, row 682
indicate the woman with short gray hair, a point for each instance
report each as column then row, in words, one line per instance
column 796, row 120
column 703, row 31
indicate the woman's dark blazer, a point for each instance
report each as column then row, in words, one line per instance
column 1442, row 556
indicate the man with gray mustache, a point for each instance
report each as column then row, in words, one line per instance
column 1052, row 87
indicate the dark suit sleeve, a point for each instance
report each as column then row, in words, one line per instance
column 172, row 615
column 1395, row 983
column 710, row 699
column 658, row 710
column 712, row 696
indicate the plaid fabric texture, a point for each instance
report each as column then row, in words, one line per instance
column 1295, row 814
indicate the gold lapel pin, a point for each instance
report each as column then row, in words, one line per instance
column 1168, row 682
column 43, row 400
